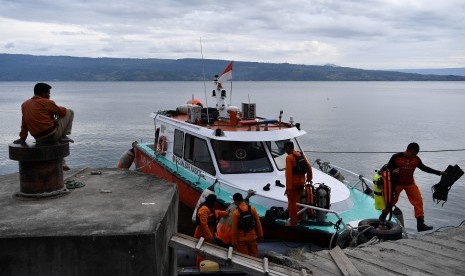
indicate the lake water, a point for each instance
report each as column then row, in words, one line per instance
column 338, row 116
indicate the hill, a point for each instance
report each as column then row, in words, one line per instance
column 63, row 68
column 432, row 71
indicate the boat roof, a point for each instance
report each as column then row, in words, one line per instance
column 246, row 131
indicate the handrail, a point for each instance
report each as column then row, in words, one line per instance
column 324, row 166
column 355, row 174
column 322, row 209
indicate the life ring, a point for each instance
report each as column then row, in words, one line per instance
column 393, row 233
column 162, row 145
column 196, row 102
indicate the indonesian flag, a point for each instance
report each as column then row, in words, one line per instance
column 227, row 74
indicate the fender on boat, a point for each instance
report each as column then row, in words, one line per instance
column 394, row 231
column 126, row 159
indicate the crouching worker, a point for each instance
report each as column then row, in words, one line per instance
column 246, row 227
column 206, row 221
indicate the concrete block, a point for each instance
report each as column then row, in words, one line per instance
column 119, row 223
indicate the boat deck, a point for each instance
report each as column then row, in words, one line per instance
column 438, row 253
column 247, row 125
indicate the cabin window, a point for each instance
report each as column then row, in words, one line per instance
column 241, row 157
column 276, row 149
column 178, row 142
column 196, row 152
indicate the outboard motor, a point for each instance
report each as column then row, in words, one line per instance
column 323, row 197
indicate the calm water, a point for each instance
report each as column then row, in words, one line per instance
column 338, row 116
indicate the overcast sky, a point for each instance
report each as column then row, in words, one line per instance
column 368, row 34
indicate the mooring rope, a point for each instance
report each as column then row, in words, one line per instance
column 363, row 152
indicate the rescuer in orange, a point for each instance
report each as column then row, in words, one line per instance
column 295, row 183
column 403, row 165
column 223, row 228
column 246, row 227
column 206, row 221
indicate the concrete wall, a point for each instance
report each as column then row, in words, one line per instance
column 88, row 232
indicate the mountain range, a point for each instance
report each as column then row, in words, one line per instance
column 16, row 67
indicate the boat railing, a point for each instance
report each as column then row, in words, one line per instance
column 366, row 184
column 214, row 180
column 339, row 218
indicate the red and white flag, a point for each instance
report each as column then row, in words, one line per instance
column 227, row 74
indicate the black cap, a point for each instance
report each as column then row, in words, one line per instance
column 210, row 199
column 41, row 88
column 289, row 145
column 237, row 197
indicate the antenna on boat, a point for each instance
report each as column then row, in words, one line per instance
column 204, row 85
column 230, row 93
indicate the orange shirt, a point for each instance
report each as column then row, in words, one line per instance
column 407, row 167
column 39, row 116
column 238, row 235
column 295, row 179
column 205, row 229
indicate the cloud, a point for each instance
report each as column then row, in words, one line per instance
column 364, row 33
column 9, row 45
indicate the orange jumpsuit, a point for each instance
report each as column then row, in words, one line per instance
column 246, row 242
column 38, row 117
column 207, row 218
column 406, row 181
column 294, row 186
column 223, row 228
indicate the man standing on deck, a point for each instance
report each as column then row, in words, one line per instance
column 295, row 183
column 403, row 165
column 223, row 228
column 46, row 121
column 246, row 227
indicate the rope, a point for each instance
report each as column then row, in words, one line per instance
column 440, row 229
column 363, row 152
column 73, row 184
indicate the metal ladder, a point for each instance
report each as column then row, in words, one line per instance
column 244, row 263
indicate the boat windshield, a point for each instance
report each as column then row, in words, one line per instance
column 276, row 149
column 241, row 157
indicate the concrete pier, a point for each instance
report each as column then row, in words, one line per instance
column 119, row 223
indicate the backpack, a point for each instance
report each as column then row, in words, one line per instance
column 275, row 213
column 246, row 220
column 301, row 165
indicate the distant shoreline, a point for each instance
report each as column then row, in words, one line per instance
column 15, row 67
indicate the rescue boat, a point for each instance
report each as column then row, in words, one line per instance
column 226, row 149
